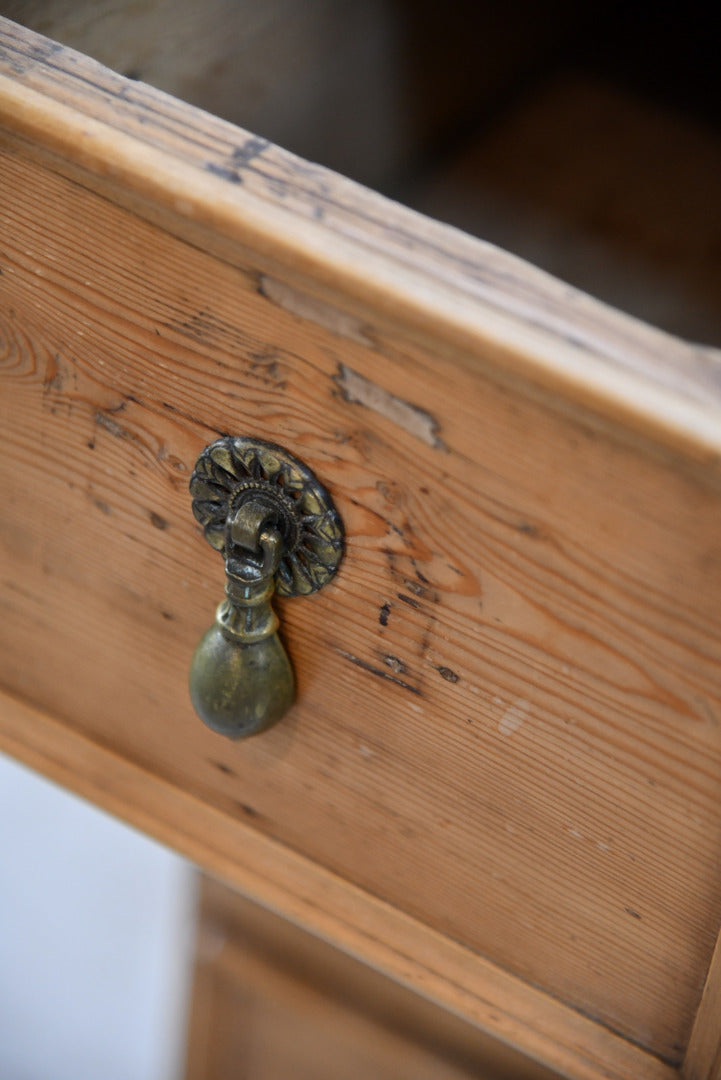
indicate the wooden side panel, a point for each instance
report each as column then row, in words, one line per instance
column 603, row 189
column 270, row 1001
column 703, row 1056
column 507, row 722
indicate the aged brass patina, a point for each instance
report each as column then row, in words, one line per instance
column 278, row 531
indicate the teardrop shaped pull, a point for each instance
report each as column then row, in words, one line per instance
column 278, row 531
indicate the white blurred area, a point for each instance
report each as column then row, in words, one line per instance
column 96, row 940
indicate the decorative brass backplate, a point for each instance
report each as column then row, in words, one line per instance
column 233, row 471
column 278, row 530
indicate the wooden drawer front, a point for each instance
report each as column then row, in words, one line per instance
column 508, row 699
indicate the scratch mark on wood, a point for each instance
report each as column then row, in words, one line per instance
column 111, row 425
column 365, row 666
column 358, row 390
column 317, row 311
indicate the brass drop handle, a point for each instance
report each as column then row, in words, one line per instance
column 278, row 531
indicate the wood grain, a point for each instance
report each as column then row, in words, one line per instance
column 223, row 190
column 301, row 891
column 507, row 723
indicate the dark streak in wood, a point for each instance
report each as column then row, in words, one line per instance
column 377, row 671
column 249, row 150
column 223, row 768
column 111, row 426
column 193, row 419
column 447, row 674
column 100, row 504
column 223, row 172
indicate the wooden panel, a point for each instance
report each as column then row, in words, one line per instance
column 507, row 709
column 222, row 190
column 270, row 1001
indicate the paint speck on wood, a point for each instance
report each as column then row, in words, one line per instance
column 514, row 717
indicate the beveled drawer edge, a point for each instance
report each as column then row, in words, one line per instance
column 317, row 900
column 473, row 302
column 703, row 1054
